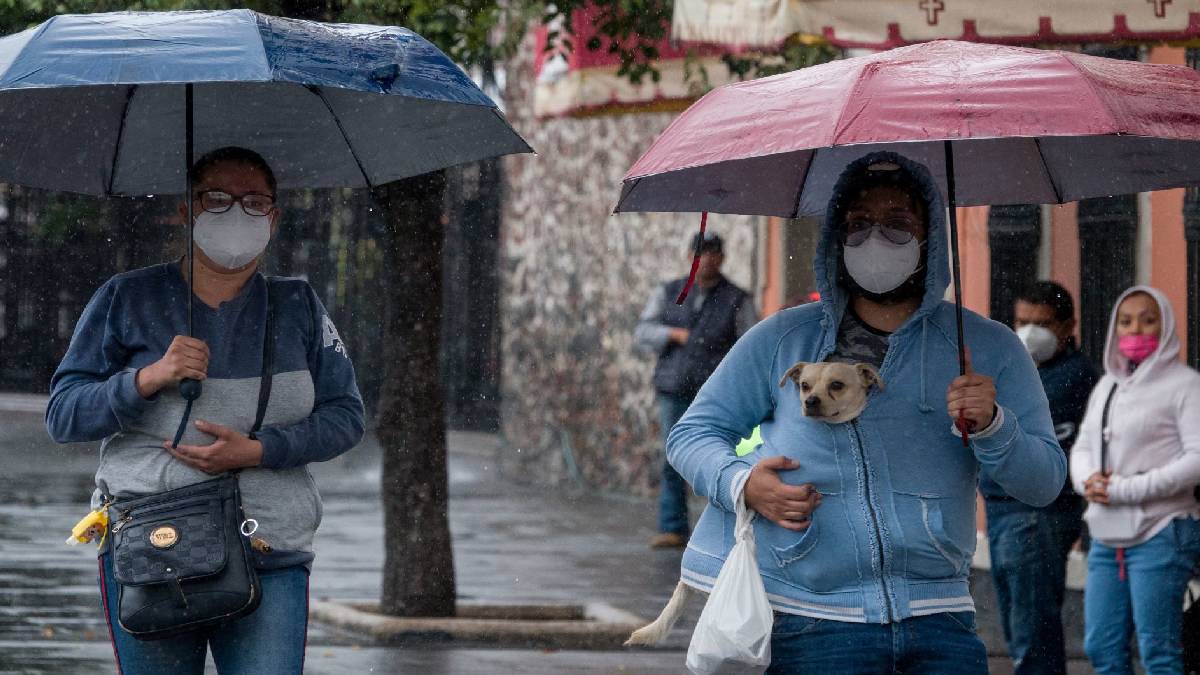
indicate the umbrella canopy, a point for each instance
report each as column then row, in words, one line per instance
column 1024, row 125
column 95, row 103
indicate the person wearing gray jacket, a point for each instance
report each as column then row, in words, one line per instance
column 690, row 340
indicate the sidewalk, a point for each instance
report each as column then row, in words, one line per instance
column 512, row 543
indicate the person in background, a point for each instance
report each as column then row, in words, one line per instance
column 1029, row 545
column 1137, row 462
column 690, row 340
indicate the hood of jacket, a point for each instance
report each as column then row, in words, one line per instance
column 1117, row 364
column 936, row 248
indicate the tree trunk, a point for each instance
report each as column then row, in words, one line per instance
column 418, row 570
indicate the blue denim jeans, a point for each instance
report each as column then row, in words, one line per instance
column 269, row 641
column 672, row 495
column 1029, row 549
column 1148, row 601
column 929, row 645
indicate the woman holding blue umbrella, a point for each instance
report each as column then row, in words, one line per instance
column 130, row 351
column 323, row 105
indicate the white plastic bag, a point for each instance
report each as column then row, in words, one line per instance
column 733, row 635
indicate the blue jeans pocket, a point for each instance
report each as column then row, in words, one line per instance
column 794, row 625
column 965, row 620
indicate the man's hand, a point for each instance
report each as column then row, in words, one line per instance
column 187, row 357
column 230, row 451
column 1095, row 488
column 973, row 396
column 678, row 335
column 788, row 506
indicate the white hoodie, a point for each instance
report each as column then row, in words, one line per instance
column 1154, row 438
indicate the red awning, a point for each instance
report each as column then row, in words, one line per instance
column 584, row 81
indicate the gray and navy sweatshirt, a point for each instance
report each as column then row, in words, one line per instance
column 315, row 412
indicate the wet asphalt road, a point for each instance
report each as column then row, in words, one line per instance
column 511, row 544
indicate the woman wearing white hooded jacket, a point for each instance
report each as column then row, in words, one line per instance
column 1137, row 461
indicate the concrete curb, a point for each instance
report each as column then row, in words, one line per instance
column 587, row 626
column 23, row 403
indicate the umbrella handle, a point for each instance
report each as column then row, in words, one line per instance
column 687, row 286
column 964, row 425
column 189, row 388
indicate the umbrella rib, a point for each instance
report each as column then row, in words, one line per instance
column 1058, row 198
column 112, row 170
column 316, row 90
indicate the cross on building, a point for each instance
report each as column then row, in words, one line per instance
column 933, row 7
column 1160, row 7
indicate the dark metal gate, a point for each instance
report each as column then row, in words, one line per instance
column 1107, row 249
column 1014, row 235
column 55, row 251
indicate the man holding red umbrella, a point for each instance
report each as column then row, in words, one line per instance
column 867, row 552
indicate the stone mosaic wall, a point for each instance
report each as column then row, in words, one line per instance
column 577, row 405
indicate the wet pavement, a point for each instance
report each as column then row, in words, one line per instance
column 512, row 543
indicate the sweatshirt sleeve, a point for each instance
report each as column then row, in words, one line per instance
column 735, row 399
column 336, row 422
column 1022, row 455
column 1178, row 476
column 93, row 393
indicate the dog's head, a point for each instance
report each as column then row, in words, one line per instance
column 833, row 392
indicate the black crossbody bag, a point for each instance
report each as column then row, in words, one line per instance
column 182, row 558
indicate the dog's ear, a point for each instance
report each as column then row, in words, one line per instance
column 869, row 376
column 792, row 374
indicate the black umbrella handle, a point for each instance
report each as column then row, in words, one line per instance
column 965, row 426
column 189, row 388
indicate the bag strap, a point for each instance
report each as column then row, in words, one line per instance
column 1104, row 433
column 744, row 515
column 268, row 360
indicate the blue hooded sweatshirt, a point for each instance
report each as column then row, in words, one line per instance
column 894, row 534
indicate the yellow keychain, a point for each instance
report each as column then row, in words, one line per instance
column 93, row 526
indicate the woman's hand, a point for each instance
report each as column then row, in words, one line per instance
column 187, row 357
column 1095, row 488
column 231, row 450
column 788, row 506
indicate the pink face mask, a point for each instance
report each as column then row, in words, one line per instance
column 1137, row 348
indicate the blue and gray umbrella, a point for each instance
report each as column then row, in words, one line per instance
column 120, row 103
column 96, row 103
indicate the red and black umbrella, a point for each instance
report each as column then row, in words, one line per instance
column 994, row 125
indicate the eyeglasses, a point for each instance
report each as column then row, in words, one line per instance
column 253, row 203
column 898, row 230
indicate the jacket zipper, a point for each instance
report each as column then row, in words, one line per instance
column 875, row 530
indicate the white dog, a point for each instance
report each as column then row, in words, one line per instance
column 830, row 392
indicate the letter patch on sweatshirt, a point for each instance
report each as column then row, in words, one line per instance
column 331, row 337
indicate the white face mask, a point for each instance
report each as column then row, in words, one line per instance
column 878, row 266
column 1039, row 341
column 233, row 238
